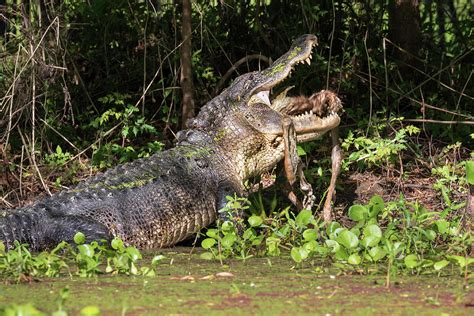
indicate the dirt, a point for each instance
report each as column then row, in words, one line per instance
column 186, row 285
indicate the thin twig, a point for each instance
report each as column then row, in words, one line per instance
column 330, row 44
column 439, row 121
column 370, row 81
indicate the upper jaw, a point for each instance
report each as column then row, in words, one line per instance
column 300, row 52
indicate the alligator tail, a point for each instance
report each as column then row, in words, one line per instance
column 23, row 225
column 40, row 228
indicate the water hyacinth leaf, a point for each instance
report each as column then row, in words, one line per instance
column 212, row 233
column 310, row 246
column 354, row 259
column 208, row 243
column 377, row 253
column 369, row 241
column 376, row 205
column 255, row 221
column 248, row 234
column 133, row 269
column 86, row 250
column 228, row 241
column 304, row 218
column 321, row 250
column 296, row 254
column 310, row 234
column 90, row 311
column 440, row 264
column 341, row 255
column 79, row 238
column 227, row 226
column 332, row 227
column 334, row 245
column 372, row 236
column 470, row 172
column 411, row 261
column 358, row 212
column 117, row 243
column 348, row 239
column 133, row 253
column 355, row 230
column 373, row 230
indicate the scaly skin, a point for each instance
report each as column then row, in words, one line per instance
column 161, row 200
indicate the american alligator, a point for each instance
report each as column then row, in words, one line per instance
column 161, row 200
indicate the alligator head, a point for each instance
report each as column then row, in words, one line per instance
column 250, row 125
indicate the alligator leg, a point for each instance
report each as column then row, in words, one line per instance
column 336, row 158
column 294, row 168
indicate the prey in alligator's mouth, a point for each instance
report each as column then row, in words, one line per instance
column 311, row 116
column 300, row 118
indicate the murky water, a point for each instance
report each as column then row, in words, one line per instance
column 270, row 286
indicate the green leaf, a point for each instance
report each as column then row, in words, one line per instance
column 295, row 255
column 411, row 261
column 369, row 241
column 440, row 264
column 358, row 212
column 300, row 151
column 255, row 221
column 376, row 205
column 334, row 245
column 429, row 234
column 354, row 259
column 134, row 253
column 377, row 253
column 470, row 172
column 310, row 246
column 372, row 236
column 442, row 225
column 348, row 239
column 86, row 250
column 298, row 254
column 79, row 238
column 332, row 227
column 228, row 241
column 208, row 243
column 304, row 218
column 212, row 233
column 373, row 230
column 310, row 234
column 117, row 243
column 90, row 311
column 227, row 226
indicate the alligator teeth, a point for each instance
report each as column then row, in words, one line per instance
column 311, row 112
column 308, row 61
column 310, row 56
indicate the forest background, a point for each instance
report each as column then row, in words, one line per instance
column 85, row 85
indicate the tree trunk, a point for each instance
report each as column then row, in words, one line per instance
column 405, row 30
column 186, row 78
